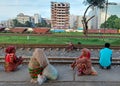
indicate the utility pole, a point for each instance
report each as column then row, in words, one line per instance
column 106, row 15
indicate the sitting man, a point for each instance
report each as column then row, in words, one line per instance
column 70, row 47
column 105, row 57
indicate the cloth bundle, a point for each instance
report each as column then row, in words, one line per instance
column 41, row 79
column 50, row 72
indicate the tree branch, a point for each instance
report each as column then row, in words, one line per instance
column 86, row 10
column 90, row 18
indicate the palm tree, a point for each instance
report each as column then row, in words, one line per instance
column 91, row 3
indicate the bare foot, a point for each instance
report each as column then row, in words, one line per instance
column 94, row 73
column 33, row 81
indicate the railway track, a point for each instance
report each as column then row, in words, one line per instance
column 57, row 46
column 64, row 60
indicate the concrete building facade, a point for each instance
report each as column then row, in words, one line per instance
column 60, row 15
column 8, row 23
column 76, row 22
column 113, row 9
column 73, row 21
column 23, row 18
column 37, row 18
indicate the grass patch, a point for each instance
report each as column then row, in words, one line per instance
column 55, row 40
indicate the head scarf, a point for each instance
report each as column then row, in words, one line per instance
column 10, row 49
column 85, row 53
column 84, row 63
column 40, row 57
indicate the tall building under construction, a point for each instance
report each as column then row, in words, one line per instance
column 60, row 15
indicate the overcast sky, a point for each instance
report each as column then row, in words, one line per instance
column 10, row 8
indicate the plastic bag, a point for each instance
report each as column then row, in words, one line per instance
column 50, row 72
column 41, row 79
column 94, row 72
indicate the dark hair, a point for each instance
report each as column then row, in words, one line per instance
column 79, row 42
column 10, row 49
column 107, row 45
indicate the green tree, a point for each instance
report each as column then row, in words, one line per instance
column 43, row 24
column 112, row 22
column 16, row 23
column 38, row 25
column 91, row 3
column 117, row 23
column 28, row 24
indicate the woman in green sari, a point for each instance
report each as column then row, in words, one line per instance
column 37, row 63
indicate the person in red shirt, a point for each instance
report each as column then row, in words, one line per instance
column 11, row 60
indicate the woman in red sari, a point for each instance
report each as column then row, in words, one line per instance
column 83, row 64
column 11, row 60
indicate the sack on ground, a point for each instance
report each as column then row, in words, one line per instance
column 41, row 79
column 50, row 72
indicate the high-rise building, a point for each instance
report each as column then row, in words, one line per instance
column 8, row 23
column 94, row 21
column 76, row 22
column 73, row 21
column 60, row 15
column 112, row 9
column 37, row 18
column 79, row 22
column 23, row 18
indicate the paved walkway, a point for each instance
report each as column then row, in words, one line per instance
column 104, row 78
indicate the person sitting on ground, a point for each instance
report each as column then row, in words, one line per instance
column 40, row 68
column 105, row 57
column 79, row 45
column 37, row 63
column 70, row 46
column 83, row 64
column 11, row 60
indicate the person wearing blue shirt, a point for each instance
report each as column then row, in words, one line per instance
column 105, row 57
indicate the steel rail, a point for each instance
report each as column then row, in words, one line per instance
column 53, row 46
column 65, row 60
